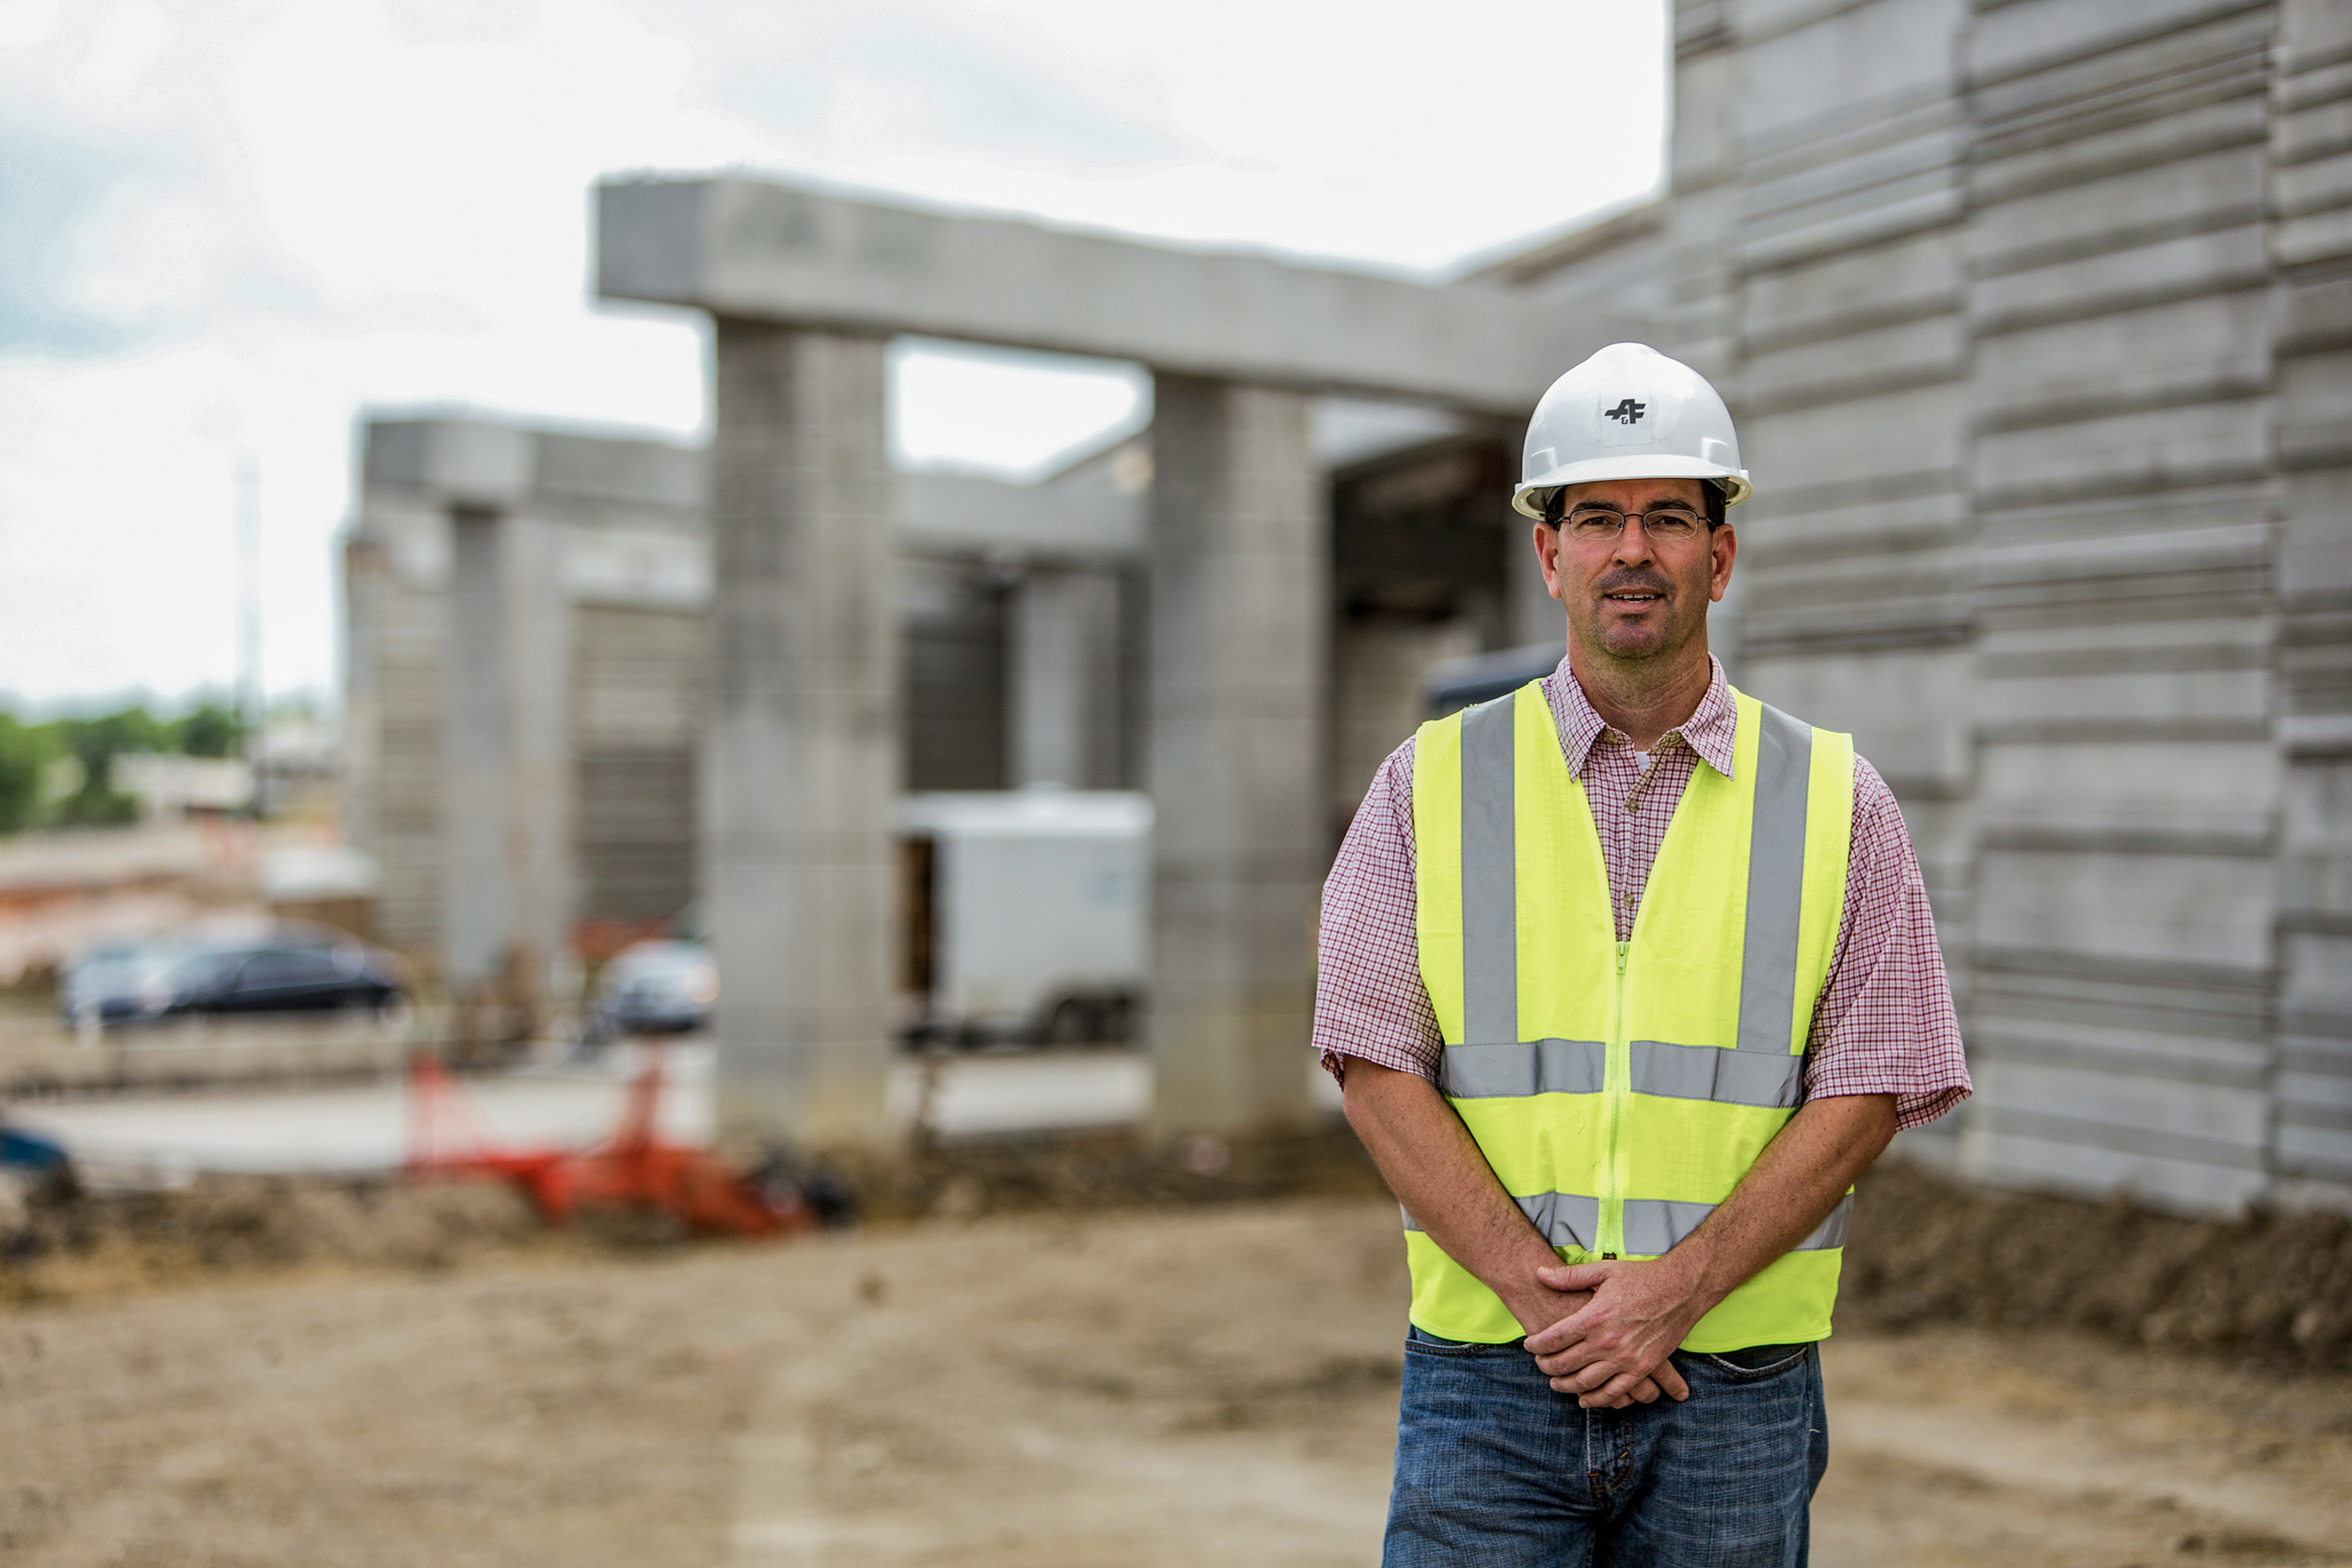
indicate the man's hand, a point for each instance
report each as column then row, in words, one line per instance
column 1635, row 1314
column 1436, row 1170
column 1546, row 1306
column 1641, row 1310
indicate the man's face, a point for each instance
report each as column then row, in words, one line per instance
column 1633, row 595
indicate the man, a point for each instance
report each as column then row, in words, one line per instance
column 1625, row 978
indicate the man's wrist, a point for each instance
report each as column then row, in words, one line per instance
column 1690, row 1277
column 1535, row 1304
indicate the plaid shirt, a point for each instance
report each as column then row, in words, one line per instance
column 1884, row 1025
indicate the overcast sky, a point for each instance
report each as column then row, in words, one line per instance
column 229, row 225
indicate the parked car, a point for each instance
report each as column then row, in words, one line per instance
column 116, row 981
column 287, row 971
column 283, row 974
column 655, row 988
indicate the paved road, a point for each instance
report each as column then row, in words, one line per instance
column 366, row 1128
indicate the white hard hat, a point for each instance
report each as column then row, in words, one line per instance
column 1630, row 412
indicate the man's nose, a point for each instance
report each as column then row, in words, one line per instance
column 1633, row 549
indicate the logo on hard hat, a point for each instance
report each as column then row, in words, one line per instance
column 1628, row 412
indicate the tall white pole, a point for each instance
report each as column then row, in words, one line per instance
column 249, row 524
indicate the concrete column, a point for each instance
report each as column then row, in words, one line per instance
column 1240, row 566
column 1065, row 679
column 802, row 766
column 506, row 876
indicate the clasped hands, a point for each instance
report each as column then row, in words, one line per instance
column 1613, row 1349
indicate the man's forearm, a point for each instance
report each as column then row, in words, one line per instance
column 1436, row 1169
column 1800, row 1177
column 1640, row 1311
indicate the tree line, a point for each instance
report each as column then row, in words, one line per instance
column 31, row 752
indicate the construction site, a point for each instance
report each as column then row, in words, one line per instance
column 804, row 1056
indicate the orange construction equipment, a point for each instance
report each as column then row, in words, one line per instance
column 631, row 1168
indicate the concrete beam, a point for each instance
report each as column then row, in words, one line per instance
column 760, row 250
column 962, row 515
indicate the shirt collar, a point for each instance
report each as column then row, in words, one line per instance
column 1711, row 731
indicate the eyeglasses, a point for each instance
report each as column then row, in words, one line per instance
column 1600, row 523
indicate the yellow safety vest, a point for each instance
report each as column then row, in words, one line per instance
column 1620, row 1090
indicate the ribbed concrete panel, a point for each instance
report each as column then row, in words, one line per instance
column 2310, row 150
column 2122, row 356
column 2037, row 317
column 622, row 545
column 953, row 674
column 1854, row 576
column 395, row 626
column 638, row 696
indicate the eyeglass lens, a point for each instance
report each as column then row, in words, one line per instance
column 1662, row 523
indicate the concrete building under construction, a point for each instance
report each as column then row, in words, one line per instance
column 2037, row 319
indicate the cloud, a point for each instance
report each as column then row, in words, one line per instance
column 290, row 211
column 64, row 189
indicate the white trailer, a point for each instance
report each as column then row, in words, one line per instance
column 1028, row 913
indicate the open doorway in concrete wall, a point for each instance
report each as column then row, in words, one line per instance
column 1423, row 572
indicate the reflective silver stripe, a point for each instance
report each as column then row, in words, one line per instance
column 1831, row 1232
column 1563, row 1219
column 1775, row 1080
column 1490, row 914
column 1654, row 1225
column 1767, row 958
column 1497, row 1070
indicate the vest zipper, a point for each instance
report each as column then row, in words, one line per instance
column 1617, row 1083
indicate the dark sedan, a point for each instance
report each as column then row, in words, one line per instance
column 281, row 976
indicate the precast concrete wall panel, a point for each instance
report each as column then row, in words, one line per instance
column 2069, row 1155
column 2212, row 345
column 2235, row 257
column 2010, row 37
column 1801, row 58
column 2034, row 318
column 1896, row 443
column 1906, row 699
column 405, row 835
column 2310, row 148
column 396, row 621
column 1901, row 280
column 2045, row 893
column 2121, row 472
column 2142, row 206
column 1860, row 363
column 638, row 676
column 2158, row 449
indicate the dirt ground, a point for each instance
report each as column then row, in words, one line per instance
column 1144, row 1387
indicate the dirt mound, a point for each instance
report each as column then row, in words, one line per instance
column 2272, row 1286
column 72, row 1245
column 58, row 1245
column 1109, row 1170
column 2276, row 1287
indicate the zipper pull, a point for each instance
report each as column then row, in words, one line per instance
column 1621, row 948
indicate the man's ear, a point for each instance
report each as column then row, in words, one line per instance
column 1547, row 556
column 1723, row 547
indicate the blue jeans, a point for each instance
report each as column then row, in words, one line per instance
column 1494, row 1470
